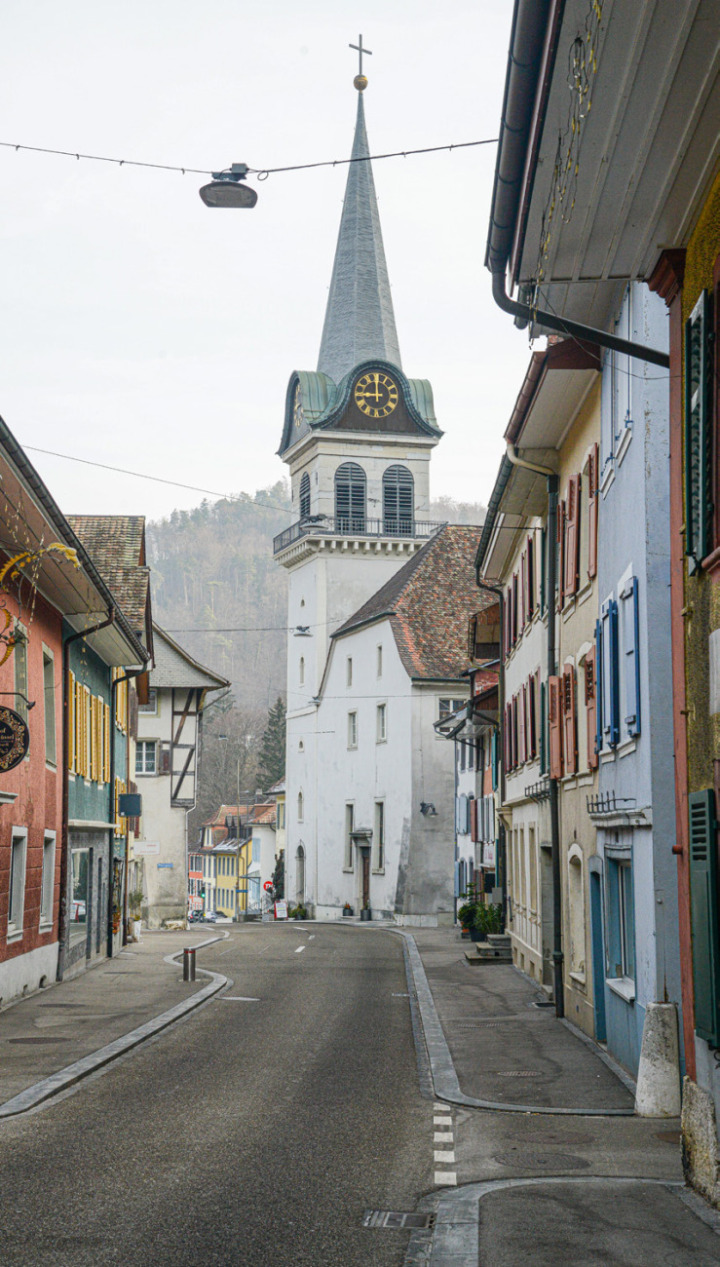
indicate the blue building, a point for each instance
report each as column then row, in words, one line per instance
column 633, row 878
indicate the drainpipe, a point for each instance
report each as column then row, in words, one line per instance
column 550, row 561
column 63, row 931
column 131, row 673
column 527, row 313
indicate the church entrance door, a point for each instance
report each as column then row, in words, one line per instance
column 365, row 874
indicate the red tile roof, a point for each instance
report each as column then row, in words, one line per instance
column 428, row 602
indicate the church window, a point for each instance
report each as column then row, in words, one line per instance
column 350, row 496
column 381, row 723
column 379, row 661
column 352, row 730
column 305, row 496
column 302, row 670
column 398, row 502
column 300, row 807
column 379, row 836
column 349, row 671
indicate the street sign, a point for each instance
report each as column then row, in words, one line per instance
column 268, row 885
column 281, row 910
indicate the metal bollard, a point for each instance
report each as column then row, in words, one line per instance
column 189, row 963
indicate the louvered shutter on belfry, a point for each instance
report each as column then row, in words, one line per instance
column 397, row 502
column 704, row 914
column 698, row 431
column 305, row 496
column 350, row 497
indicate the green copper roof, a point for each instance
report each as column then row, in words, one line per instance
column 359, row 320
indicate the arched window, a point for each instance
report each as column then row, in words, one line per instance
column 302, row 670
column 301, row 807
column 300, row 876
column 350, row 492
column 305, row 496
column 398, row 507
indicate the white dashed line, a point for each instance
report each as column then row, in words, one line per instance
column 299, row 948
column 236, row 998
column 443, row 1134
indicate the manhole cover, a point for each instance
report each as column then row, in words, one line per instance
column 668, row 1137
column 395, row 1219
column 542, row 1161
column 39, row 1039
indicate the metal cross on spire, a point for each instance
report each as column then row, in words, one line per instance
column 361, row 50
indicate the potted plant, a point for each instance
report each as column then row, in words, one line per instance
column 466, row 912
column 488, row 919
column 347, row 909
column 366, row 913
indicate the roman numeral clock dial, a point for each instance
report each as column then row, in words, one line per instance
column 376, row 394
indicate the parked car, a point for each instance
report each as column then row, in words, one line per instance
column 209, row 917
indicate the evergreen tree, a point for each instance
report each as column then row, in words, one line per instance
column 271, row 757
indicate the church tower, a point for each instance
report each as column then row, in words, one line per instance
column 357, row 439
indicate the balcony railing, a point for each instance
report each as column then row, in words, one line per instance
column 354, row 526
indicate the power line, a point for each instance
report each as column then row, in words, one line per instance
column 262, row 173
column 158, row 479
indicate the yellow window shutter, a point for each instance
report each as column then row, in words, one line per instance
column 107, row 743
column 71, row 721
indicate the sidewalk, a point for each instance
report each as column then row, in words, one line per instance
column 552, row 1108
column 58, row 1035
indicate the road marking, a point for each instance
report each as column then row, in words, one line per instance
column 442, row 1121
column 236, row 998
column 448, row 1178
column 443, row 1156
column 297, row 952
column 443, row 1137
column 311, row 937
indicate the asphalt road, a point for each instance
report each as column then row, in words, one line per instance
column 251, row 1133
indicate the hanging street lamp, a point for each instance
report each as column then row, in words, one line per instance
column 226, row 188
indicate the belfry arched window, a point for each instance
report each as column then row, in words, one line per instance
column 350, row 498
column 398, row 509
column 305, row 496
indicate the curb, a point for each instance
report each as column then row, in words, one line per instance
column 444, row 1076
column 453, row 1241
column 51, row 1086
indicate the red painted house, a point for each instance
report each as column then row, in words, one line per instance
column 46, row 579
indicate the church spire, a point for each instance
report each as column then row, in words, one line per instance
column 359, row 320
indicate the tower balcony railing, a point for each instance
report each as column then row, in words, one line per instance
column 401, row 527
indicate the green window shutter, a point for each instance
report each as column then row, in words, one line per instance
column 698, row 431
column 705, row 915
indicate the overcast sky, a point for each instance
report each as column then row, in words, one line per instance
column 139, row 328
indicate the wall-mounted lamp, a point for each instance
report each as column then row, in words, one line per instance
column 302, row 631
column 30, row 703
column 428, row 809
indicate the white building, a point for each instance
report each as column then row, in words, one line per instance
column 166, row 759
column 357, row 439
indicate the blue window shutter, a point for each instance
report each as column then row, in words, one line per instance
column 614, row 663
column 605, row 677
column 631, row 649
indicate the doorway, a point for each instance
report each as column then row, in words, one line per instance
column 547, row 933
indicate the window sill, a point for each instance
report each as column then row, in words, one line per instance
column 579, row 978
column 51, row 765
column 585, row 780
column 569, row 609
column 16, row 934
column 607, row 757
column 608, row 478
column 624, row 443
column 45, row 926
column 584, row 594
column 624, row 749
column 624, row 987
column 380, row 741
column 378, row 871
column 348, row 870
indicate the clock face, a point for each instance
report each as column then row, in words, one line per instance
column 376, row 394
column 298, row 414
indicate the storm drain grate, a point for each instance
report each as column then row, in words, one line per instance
column 517, row 1073
column 39, row 1040
column 395, row 1219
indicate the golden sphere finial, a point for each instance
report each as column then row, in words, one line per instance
column 360, row 82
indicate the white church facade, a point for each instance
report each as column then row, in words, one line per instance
column 361, row 556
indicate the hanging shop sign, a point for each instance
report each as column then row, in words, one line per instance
column 14, row 739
